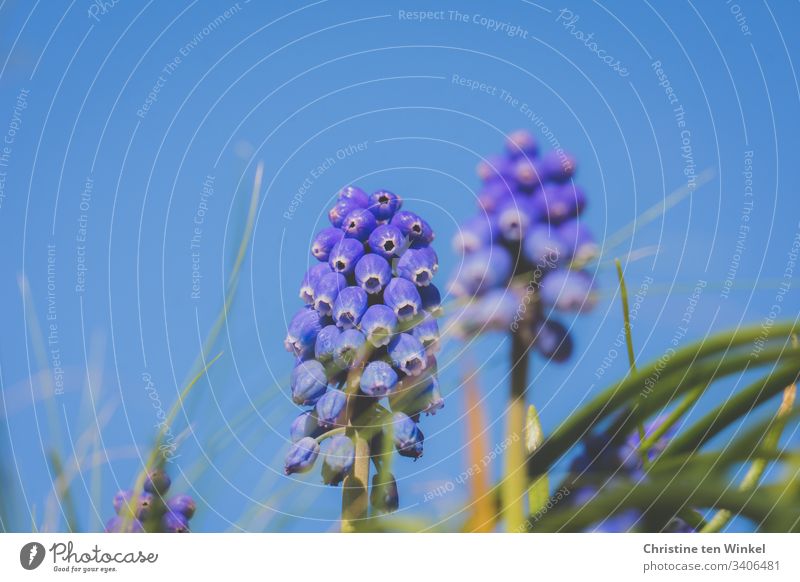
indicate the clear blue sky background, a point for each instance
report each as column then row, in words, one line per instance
column 292, row 84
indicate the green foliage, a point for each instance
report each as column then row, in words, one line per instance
column 688, row 475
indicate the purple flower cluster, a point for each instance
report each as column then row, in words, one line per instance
column 523, row 252
column 150, row 511
column 371, row 307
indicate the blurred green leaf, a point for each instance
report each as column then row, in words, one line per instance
column 669, row 374
column 765, row 507
column 743, row 402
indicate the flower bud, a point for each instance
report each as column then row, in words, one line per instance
column 326, row 342
column 520, row 144
column 427, row 332
column 350, row 305
column 431, row 300
column 304, row 425
column 556, row 166
column 407, row 354
column 147, row 506
column 338, row 460
column 402, row 296
column 383, row 496
column 346, row 352
column 553, row 341
column 379, row 323
column 354, row 194
column 559, row 202
column 359, row 224
column 373, row 273
column 345, row 255
column 183, row 505
column 483, row 270
column 173, row 522
column 515, row 217
column 494, row 195
column 324, row 242
column 383, row 204
column 493, row 169
column 302, row 332
column 157, row 481
column 568, row 290
column 309, row 382
column 387, row 241
column 301, row 456
column 310, row 280
column 527, row 174
column 408, row 438
column 544, row 248
column 341, row 209
column 327, row 290
column 329, row 408
column 413, row 226
column 418, row 266
column 476, row 233
column 378, row 379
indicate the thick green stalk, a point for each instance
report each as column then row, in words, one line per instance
column 514, row 485
column 355, row 499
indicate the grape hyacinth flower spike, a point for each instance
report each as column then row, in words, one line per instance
column 150, row 510
column 368, row 329
column 525, row 254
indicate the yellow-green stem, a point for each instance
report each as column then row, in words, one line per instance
column 670, row 421
column 514, row 485
column 355, row 500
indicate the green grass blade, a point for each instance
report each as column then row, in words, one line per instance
column 757, row 468
column 623, row 293
column 740, row 404
column 576, row 425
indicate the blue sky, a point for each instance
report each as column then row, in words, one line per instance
column 125, row 126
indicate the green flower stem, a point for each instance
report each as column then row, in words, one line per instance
column 623, row 292
column 355, row 500
column 606, row 402
column 514, row 485
column 331, row 433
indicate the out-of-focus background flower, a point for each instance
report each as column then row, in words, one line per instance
column 131, row 134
